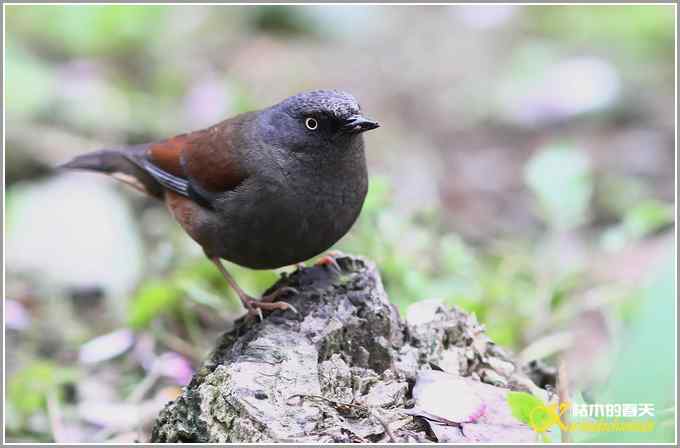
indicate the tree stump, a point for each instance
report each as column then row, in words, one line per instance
column 341, row 370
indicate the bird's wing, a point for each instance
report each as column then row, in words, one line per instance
column 162, row 160
column 199, row 165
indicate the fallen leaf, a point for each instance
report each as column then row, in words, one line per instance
column 446, row 396
column 463, row 410
column 105, row 347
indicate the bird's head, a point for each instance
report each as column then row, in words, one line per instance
column 317, row 120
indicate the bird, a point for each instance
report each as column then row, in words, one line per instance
column 263, row 189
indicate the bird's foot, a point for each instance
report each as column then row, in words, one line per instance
column 329, row 260
column 269, row 298
column 268, row 302
column 251, row 304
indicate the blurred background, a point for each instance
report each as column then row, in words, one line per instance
column 524, row 171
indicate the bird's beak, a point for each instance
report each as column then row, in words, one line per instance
column 357, row 124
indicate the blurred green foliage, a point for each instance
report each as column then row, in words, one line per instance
column 109, row 29
column 645, row 370
column 641, row 219
column 642, row 32
column 31, row 79
column 279, row 20
column 560, row 178
column 153, row 299
column 29, row 388
column 198, row 281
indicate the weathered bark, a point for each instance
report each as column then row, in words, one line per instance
column 342, row 370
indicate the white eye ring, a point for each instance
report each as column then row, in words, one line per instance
column 311, row 124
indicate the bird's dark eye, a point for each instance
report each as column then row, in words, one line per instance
column 311, row 123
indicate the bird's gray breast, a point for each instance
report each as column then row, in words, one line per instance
column 281, row 220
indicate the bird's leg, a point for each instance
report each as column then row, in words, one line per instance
column 253, row 305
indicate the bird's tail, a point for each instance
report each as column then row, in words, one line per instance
column 119, row 164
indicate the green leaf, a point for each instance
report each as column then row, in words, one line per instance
column 151, row 301
column 647, row 217
column 28, row 388
column 523, row 407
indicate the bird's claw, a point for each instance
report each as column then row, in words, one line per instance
column 257, row 306
column 268, row 302
column 329, row 260
column 279, row 292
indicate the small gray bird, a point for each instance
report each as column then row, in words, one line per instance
column 263, row 189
